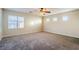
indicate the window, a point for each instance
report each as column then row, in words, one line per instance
column 20, row 22
column 15, row 22
column 12, row 22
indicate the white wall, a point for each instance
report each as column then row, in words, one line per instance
column 68, row 28
column 28, row 27
column 0, row 23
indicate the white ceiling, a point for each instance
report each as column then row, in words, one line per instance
column 36, row 11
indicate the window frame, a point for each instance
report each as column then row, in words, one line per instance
column 18, row 23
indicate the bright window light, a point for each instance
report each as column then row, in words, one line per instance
column 12, row 22
column 15, row 22
column 20, row 22
column 65, row 18
column 55, row 19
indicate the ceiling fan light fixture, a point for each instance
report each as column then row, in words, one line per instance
column 43, row 11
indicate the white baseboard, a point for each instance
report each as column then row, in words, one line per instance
column 63, row 34
column 20, row 34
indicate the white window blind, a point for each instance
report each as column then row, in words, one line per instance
column 20, row 22
column 15, row 22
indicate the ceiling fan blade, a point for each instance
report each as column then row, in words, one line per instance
column 41, row 9
column 47, row 12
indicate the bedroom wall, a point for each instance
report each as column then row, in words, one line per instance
column 0, row 23
column 29, row 24
column 68, row 27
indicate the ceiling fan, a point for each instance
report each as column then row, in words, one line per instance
column 44, row 11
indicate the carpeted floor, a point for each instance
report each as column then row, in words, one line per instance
column 39, row 41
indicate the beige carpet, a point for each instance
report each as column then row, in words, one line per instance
column 39, row 41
